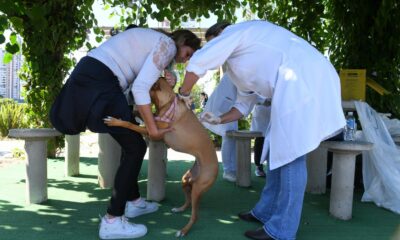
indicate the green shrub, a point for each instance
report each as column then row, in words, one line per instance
column 12, row 115
column 18, row 153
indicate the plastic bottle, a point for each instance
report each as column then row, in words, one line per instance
column 350, row 128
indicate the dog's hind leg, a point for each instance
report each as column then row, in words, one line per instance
column 196, row 195
column 187, row 183
column 187, row 189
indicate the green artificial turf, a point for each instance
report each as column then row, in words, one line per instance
column 74, row 204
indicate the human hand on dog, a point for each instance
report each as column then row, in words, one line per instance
column 159, row 134
column 210, row 118
column 170, row 77
column 112, row 122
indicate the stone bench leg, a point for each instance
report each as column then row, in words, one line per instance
column 343, row 169
column 316, row 170
column 36, row 171
column 243, row 162
column 156, row 171
column 243, row 155
column 109, row 160
column 72, row 144
column 341, row 198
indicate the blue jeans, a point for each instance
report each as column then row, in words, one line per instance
column 228, row 152
column 281, row 201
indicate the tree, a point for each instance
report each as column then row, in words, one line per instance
column 51, row 30
column 364, row 34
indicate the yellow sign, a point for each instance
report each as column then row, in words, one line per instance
column 353, row 83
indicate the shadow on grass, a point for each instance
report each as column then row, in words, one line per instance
column 71, row 213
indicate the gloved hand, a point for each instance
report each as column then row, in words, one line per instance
column 210, row 118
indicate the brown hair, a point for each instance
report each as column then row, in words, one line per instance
column 186, row 38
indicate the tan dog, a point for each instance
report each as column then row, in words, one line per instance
column 189, row 136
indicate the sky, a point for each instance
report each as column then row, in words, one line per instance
column 104, row 20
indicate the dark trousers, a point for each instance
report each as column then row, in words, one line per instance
column 126, row 186
column 92, row 93
column 258, row 147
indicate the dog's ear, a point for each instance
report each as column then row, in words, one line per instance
column 155, row 87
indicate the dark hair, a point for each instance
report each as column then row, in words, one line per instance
column 187, row 38
column 115, row 31
column 216, row 29
column 131, row 26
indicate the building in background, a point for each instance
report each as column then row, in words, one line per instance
column 10, row 83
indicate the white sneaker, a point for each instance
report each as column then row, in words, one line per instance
column 229, row 177
column 139, row 207
column 119, row 227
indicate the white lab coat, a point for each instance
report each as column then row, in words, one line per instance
column 269, row 61
column 221, row 101
column 260, row 118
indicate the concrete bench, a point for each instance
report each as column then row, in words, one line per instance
column 156, row 170
column 108, row 163
column 108, row 158
column 72, row 148
column 243, row 155
column 36, row 161
column 349, row 106
column 317, row 164
column 343, row 170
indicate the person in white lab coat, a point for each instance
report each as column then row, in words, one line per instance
column 265, row 60
column 220, row 101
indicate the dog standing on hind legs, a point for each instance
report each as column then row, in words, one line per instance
column 189, row 137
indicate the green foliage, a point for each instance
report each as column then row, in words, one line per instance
column 356, row 34
column 12, row 115
column 18, row 153
column 366, row 34
column 174, row 11
column 306, row 19
column 216, row 139
column 51, row 30
column 244, row 123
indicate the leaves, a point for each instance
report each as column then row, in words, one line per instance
column 2, row 39
column 7, row 58
column 353, row 32
column 12, row 48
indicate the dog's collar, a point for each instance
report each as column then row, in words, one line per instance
column 169, row 115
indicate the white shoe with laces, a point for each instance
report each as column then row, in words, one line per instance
column 229, row 177
column 139, row 207
column 120, row 228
